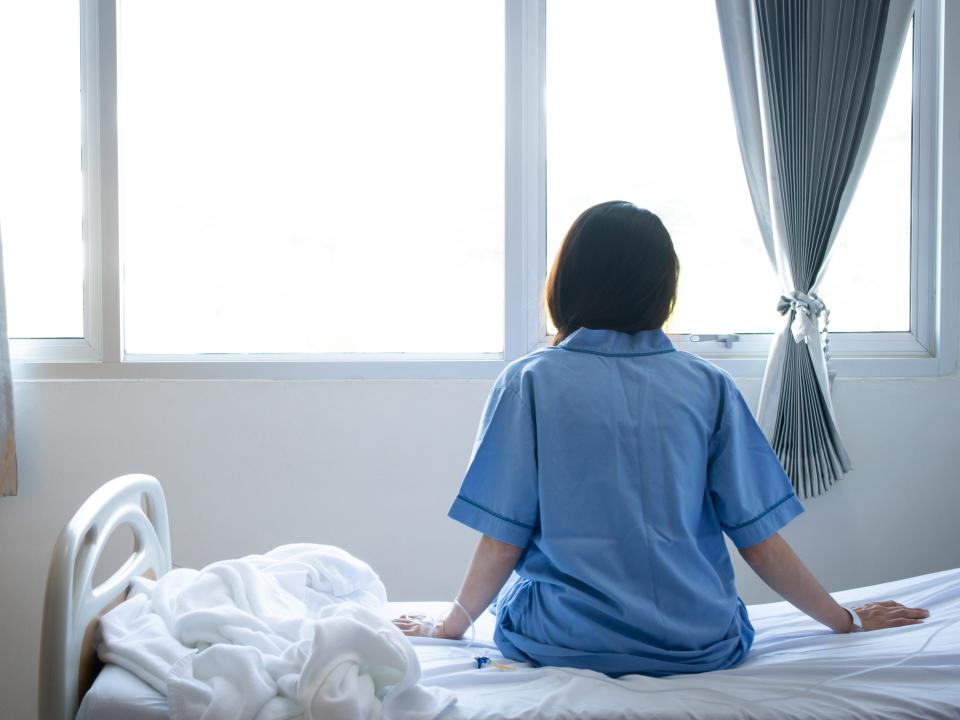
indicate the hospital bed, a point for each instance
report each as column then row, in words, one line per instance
column 797, row 669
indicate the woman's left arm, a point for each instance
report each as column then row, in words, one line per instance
column 492, row 563
column 775, row 562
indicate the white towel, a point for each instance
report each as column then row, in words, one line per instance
column 295, row 633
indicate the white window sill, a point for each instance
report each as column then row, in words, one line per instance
column 855, row 355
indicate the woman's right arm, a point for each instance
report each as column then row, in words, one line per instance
column 493, row 561
column 779, row 567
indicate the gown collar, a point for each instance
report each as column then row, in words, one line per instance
column 616, row 343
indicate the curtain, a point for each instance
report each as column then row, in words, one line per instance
column 8, row 464
column 808, row 80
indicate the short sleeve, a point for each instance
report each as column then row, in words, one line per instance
column 751, row 493
column 498, row 496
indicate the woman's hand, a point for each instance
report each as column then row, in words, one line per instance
column 888, row 614
column 419, row 625
column 493, row 561
column 780, row 568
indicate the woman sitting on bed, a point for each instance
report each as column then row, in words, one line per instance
column 607, row 469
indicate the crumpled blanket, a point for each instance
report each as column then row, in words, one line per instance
column 295, row 633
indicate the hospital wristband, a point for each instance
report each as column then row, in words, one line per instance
column 857, row 622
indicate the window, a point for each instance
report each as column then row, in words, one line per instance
column 867, row 283
column 302, row 189
column 633, row 114
column 303, row 177
column 41, row 214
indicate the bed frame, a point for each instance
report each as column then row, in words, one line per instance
column 73, row 606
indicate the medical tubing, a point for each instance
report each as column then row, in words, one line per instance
column 430, row 627
column 473, row 630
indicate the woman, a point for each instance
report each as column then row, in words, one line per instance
column 606, row 471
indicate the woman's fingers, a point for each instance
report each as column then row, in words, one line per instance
column 898, row 622
column 918, row 613
column 408, row 628
column 887, row 605
column 888, row 614
column 413, row 624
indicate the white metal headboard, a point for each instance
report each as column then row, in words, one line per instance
column 73, row 606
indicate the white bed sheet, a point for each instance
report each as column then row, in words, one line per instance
column 797, row 669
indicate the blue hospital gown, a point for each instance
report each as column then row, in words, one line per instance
column 618, row 463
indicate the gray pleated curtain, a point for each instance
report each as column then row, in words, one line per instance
column 8, row 461
column 808, row 80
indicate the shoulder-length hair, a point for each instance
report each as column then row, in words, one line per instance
column 616, row 269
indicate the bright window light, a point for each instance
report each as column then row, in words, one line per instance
column 41, row 222
column 304, row 177
column 638, row 109
column 867, row 283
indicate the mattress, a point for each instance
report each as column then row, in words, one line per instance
column 797, row 669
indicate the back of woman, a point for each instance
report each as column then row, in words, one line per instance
column 606, row 472
column 618, row 501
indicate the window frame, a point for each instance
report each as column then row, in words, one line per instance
column 929, row 349
column 925, row 349
column 33, row 351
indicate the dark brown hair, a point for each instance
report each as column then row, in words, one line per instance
column 616, row 269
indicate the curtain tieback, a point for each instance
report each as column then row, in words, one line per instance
column 807, row 309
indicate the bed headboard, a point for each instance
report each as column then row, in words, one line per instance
column 73, row 606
